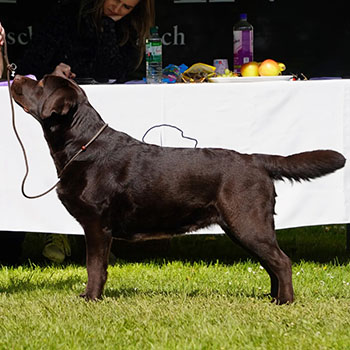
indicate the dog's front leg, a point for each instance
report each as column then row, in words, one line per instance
column 98, row 245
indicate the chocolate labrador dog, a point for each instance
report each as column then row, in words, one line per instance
column 117, row 186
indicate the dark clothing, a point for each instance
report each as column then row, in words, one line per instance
column 90, row 54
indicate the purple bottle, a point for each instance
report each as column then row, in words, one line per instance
column 242, row 43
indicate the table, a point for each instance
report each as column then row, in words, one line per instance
column 282, row 117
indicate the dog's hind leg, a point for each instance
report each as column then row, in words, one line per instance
column 260, row 240
column 273, row 277
column 246, row 210
column 98, row 245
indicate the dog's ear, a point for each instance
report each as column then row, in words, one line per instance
column 59, row 102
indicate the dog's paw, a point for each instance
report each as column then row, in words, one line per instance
column 281, row 301
column 88, row 296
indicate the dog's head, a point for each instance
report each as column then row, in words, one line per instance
column 51, row 95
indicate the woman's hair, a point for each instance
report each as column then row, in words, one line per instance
column 138, row 21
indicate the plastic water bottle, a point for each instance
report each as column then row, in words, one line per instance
column 242, row 43
column 154, row 58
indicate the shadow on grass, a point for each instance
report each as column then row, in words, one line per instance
column 23, row 283
column 193, row 293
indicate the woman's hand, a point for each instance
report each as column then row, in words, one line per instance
column 63, row 70
column 2, row 39
column 2, row 35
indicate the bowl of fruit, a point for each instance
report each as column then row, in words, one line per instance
column 267, row 70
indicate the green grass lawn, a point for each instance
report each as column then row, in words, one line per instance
column 206, row 294
column 174, row 305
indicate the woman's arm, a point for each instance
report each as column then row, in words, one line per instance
column 1, row 64
column 2, row 38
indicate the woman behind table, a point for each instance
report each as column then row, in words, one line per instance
column 100, row 39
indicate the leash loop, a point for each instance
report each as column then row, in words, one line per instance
column 12, row 68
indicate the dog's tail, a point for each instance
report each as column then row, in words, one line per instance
column 301, row 166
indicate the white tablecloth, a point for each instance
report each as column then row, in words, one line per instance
column 265, row 117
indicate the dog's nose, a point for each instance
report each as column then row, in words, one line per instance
column 16, row 86
column 19, row 80
column 18, row 77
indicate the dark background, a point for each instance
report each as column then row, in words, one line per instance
column 310, row 37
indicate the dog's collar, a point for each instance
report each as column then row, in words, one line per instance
column 83, row 148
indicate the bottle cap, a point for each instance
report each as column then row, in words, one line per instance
column 243, row 16
column 154, row 29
